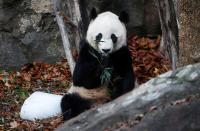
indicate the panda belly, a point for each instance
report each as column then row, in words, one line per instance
column 97, row 94
column 79, row 99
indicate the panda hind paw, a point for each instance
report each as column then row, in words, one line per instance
column 73, row 104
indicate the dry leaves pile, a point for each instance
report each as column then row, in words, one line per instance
column 148, row 61
column 16, row 86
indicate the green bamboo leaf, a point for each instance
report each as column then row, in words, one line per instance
column 106, row 75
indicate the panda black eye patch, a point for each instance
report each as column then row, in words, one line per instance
column 114, row 38
column 98, row 37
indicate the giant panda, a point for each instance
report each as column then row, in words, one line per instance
column 103, row 70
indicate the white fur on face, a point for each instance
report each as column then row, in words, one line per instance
column 107, row 24
column 105, row 45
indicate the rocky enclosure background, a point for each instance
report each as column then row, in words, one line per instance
column 29, row 32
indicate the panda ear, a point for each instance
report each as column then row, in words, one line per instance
column 93, row 14
column 124, row 17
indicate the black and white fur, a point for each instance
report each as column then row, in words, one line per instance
column 105, row 47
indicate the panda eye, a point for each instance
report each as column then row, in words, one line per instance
column 98, row 37
column 114, row 38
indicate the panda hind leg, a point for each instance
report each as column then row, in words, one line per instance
column 73, row 104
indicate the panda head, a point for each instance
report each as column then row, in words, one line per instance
column 107, row 32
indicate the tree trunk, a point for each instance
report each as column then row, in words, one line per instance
column 188, row 13
column 64, row 34
column 169, row 43
column 69, row 13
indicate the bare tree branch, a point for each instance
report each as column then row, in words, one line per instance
column 64, row 35
column 77, row 22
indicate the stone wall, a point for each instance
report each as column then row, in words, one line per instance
column 144, row 18
column 29, row 32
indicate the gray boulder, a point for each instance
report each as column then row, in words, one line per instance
column 169, row 102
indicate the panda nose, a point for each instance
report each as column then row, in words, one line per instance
column 105, row 50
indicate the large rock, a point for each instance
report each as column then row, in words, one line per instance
column 183, row 117
column 28, row 32
column 11, row 54
column 170, row 102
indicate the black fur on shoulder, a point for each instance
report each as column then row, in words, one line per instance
column 123, row 77
column 93, row 14
column 124, row 17
column 72, row 105
column 87, row 70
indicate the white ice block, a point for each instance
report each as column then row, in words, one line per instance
column 40, row 105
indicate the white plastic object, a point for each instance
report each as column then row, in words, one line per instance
column 40, row 105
